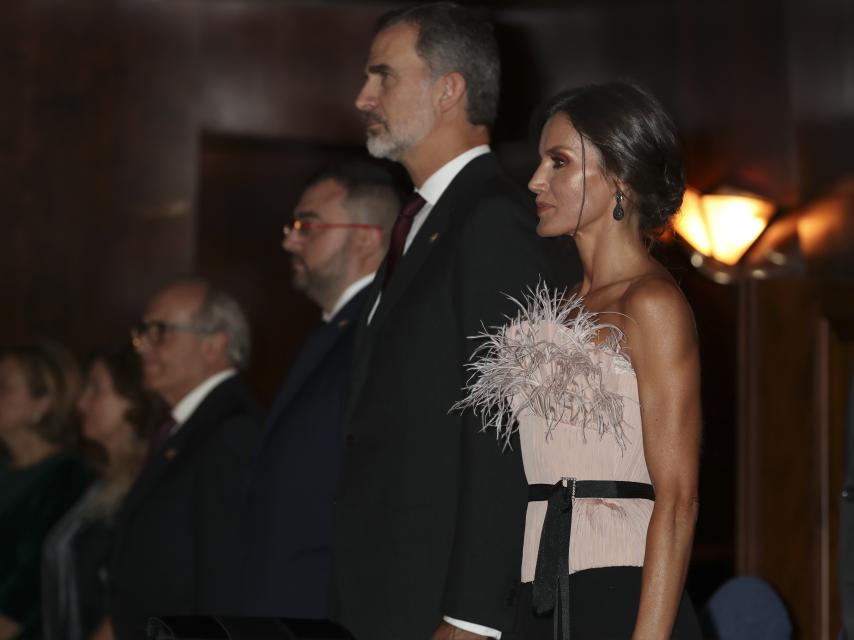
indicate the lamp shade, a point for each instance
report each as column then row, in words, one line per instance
column 722, row 225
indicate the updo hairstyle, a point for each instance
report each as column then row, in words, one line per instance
column 637, row 141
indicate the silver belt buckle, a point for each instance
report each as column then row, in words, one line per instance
column 569, row 483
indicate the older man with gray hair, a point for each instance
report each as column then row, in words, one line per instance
column 177, row 528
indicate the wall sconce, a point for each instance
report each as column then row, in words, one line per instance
column 721, row 227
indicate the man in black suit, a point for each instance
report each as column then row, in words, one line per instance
column 337, row 240
column 177, row 526
column 430, row 511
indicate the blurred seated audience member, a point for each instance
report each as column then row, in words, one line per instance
column 339, row 236
column 40, row 475
column 176, row 531
column 118, row 415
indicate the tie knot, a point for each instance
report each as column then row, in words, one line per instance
column 412, row 206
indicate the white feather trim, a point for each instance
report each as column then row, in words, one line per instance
column 542, row 361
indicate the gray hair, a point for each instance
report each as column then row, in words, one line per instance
column 220, row 312
column 454, row 38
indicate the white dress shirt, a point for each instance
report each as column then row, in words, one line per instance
column 431, row 191
column 182, row 411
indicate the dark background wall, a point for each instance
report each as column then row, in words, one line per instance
column 144, row 139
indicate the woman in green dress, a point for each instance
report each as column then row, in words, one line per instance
column 40, row 477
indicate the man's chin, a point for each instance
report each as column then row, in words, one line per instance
column 382, row 148
column 298, row 282
column 153, row 383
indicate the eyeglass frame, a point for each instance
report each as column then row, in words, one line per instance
column 142, row 331
column 298, row 226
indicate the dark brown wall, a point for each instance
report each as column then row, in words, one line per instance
column 142, row 140
column 107, row 103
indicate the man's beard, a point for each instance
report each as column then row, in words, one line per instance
column 393, row 145
column 316, row 284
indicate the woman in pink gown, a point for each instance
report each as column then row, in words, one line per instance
column 602, row 383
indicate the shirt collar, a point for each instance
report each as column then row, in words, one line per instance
column 348, row 294
column 182, row 411
column 435, row 185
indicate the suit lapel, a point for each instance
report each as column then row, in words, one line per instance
column 313, row 353
column 160, row 463
column 429, row 236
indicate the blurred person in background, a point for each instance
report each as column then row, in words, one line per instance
column 338, row 237
column 118, row 415
column 176, row 532
column 40, row 474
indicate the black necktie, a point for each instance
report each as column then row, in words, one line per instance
column 399, row 232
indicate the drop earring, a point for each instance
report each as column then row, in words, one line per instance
column 619, row 214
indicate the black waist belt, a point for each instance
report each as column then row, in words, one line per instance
column 551, row 577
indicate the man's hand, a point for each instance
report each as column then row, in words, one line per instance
column 450, row 632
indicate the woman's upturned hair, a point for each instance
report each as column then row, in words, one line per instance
column 637, row 141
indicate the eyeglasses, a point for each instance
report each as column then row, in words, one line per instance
column 155, row 331
column 308, row 229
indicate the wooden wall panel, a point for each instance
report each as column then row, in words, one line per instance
column 100, row 150
column 799, row 348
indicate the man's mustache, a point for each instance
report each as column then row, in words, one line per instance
column 372, row 118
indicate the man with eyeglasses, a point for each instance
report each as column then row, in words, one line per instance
column 336, row 241
column 177, row 529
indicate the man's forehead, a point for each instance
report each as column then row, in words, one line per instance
column 174, row 304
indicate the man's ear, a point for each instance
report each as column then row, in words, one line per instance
column 214, row 347
column 452, row 90
column 368, row 242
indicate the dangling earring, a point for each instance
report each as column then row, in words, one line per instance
column 619, row 214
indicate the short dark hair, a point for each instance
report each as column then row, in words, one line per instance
column 373, row 192
column 146, row 410
column 454, row 38
column 636, row 139
column 50, row 371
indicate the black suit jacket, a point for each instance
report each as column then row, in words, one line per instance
column 177, row 526
column 430, row 510
column 288, row 532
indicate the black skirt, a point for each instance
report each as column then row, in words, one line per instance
column 603, row 606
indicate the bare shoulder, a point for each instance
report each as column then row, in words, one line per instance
column 657, row 310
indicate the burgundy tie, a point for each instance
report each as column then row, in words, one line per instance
column 161, row 436
column 399, row 232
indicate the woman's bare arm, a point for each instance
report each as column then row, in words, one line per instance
column 662, row 343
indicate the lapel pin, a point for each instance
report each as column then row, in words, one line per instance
column 343, row 323
column 170, row 454
column 434, row 237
